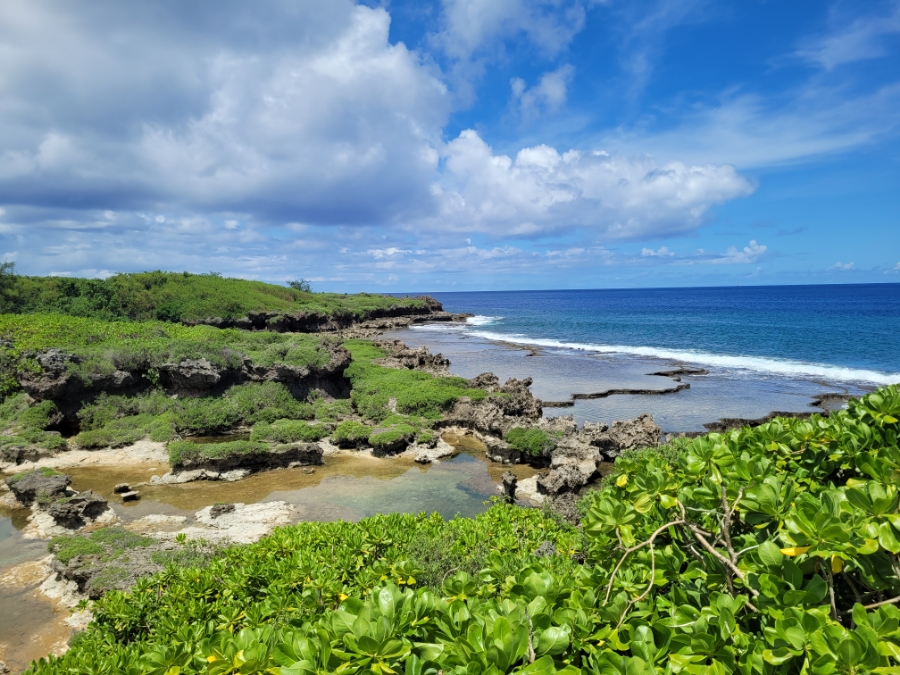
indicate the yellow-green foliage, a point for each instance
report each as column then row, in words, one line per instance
column 169, row 296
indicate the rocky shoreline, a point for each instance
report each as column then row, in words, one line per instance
column 570, row 459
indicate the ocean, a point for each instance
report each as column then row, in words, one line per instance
column 763, row 348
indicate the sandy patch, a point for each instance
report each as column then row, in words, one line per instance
column 144, row 452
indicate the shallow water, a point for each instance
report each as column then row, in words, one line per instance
column 560, row 373
column 29, row 627
column 14, row 548
column 348, row 486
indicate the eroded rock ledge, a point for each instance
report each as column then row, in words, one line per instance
column 190, row 377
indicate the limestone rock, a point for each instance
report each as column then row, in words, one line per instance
column 35, row 486
column 76, row 511
column 402, row 357
column 508, row 483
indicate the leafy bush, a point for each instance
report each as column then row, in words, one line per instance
column 532, row 441
column 288, row 431
column 351, row 434
column 274, row 595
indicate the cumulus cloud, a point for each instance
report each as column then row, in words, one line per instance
column 318, row 117
column 540, row 191
column 548, row 95
column 247, row 140
column 860, row 39
column 841, row 267
column 894, row 270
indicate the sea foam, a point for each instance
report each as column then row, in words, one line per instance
column 784, row 367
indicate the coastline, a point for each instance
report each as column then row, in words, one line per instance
column 568, row 468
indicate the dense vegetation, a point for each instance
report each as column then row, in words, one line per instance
column 101, row 347
column 169, row 296
column 402, row 403
column 764, row 550
column 22, row 425
column 389, row 407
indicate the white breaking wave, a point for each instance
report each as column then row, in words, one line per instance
column 479, row 320
column 753, row 363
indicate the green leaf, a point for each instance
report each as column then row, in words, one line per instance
column 770, row 554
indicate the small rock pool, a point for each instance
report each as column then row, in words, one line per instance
column 349, row 486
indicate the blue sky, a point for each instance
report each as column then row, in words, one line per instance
column 453, row 144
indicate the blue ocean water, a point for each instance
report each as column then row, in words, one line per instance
column 835, row 333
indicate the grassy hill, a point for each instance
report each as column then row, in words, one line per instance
column 170, row 296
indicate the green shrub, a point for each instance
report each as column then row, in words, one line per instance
column 385, row 438
column 108, row 438
column 351, row 434
column 110, row 542
column 288, row 431
column 413, row 391
column 187, row 451
column 532, row 441
column 332, row 411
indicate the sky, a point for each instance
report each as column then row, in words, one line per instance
column 439, row 145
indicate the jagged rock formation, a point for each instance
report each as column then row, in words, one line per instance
column 318, row 322
column 402, row 357
column 189, row 377
column 78, row 510
column 296, row 454
column 38, row 487
column 495, row 415
column 574, row 462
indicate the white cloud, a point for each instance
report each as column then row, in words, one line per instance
column 318, row 119
column 548, row 95
column 541, row 190
column 841, row 267
column 863, row 38
column 747, row 131
column 894, row 270
column 474, row 25
column 734, row 256
column 662, row 252
column 379, row 253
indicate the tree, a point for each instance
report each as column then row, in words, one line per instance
column 7, row 285
column 301, row 285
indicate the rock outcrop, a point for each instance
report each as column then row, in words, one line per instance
column 281, row 456
column 189, row 377
column 318, row 322
column 78, row 510
column 39, row 487
column 515, row 406
column 402, row 357
column 574, row 461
